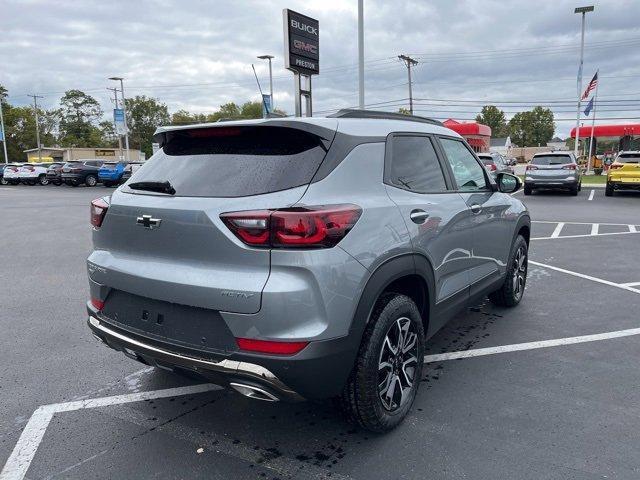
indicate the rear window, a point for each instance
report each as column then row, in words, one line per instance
column 234, row 161
column 551, row 159
column 628, row 158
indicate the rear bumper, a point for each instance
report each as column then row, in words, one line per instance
column 620, row 185
column 318, row 371
column 550, row 182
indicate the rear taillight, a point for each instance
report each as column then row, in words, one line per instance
column 615, row 166
column 302, row 227
column 531, row 167
column 491, row 167
column 98, row 210
column 570, row 167
column 275, row 348
column 98, row 304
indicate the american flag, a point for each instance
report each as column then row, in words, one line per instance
column 592, row 85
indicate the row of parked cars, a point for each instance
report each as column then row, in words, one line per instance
column 80, row 172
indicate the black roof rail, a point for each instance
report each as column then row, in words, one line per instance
column 357, row 113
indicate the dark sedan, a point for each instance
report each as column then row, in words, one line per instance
column 81, row 171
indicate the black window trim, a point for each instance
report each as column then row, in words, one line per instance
column 388, row 152
column 491, row 186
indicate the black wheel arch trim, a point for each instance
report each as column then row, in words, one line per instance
column 384, row 275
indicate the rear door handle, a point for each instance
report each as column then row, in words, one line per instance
column 475, row 208
column 418, row 216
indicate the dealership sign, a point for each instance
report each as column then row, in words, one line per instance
column 301, row 43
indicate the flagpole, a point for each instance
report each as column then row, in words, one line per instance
column 593, row 122
column 4, row 135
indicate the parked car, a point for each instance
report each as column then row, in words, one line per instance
column 8, row 167
column 110, row 173
column 54, row 173
column 81, row 171
column 304, row 258
column 32, row 173
column 495, row 163
column 11, row 174
column 624, row 173
column 555, row 170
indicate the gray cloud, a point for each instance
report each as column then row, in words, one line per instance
column 197, row 54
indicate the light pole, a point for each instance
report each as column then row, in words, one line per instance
column 124, row 112
column 583, row 11
column 4, row 134
column 361, row 54
column 35, row 111
column 269, row 57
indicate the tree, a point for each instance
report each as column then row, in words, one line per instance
column 533, row 128
column 79, row 117
column 182, row 117
column 3, row 94
column 404, row 111
column 494, row 118
column 144, row 115
column 20, row 125
column 542, row 126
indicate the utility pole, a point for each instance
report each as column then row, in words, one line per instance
column 409, row 62
column 4, row 134
column 361, row 54
column 124, row 112
column 583, row 11
column 115, row 98
column 35, row 109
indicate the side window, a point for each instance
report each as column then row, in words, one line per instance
column 468, row 173
column 414, row 165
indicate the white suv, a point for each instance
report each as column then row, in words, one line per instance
column 32, row 173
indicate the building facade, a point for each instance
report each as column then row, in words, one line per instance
column 55, row 154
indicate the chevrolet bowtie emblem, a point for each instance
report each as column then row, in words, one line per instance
column 147, row 222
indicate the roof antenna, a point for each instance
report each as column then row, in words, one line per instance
column 266, row 108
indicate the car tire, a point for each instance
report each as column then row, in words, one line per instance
column 574, row 191
column 580, row 186
column 512, row 290
column 527, row 190
column 90, row 181
column 4, row 181
column 32, row 182
column 608, row 191
column 362, row 399
column 14, row 182
column 57, row 183
column 43, row 180
column 108, row 183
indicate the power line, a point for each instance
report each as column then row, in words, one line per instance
column 409, row 62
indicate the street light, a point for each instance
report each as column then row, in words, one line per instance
column 124, row 112
column 583, row 11
column 269, row 57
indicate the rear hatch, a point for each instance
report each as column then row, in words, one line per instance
column 626, row 168
column 72, row 167
column 175, row 247
column 551, row 167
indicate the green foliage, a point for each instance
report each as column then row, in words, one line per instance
column 404, row 111
column 79, row 117
column 144, row 115
column 532, row 128
column 20, row 125
column 494, row 118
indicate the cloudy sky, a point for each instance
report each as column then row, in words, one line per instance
column 197, row 55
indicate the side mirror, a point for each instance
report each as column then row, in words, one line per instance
column 508, row 183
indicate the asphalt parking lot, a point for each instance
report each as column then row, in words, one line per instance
column 515, row 408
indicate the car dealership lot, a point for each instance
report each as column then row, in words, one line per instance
column 567, row 411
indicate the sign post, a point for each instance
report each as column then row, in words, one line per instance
column 301, row 55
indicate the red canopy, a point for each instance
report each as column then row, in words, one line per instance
column 472, row 128
column 608, row 130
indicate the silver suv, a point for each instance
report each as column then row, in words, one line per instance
column 554, row 170
column 305, row 258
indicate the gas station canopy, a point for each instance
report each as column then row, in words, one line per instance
column 622, row 130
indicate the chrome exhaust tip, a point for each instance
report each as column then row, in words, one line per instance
column 256, row 393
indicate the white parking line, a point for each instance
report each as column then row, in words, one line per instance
column 631, row 284
column 632, row 229
column 591, row 195
column 594, row 229
column 585, row 235
column 24, row 451
column 517, row 347
column 586, row 277
column 556, row 232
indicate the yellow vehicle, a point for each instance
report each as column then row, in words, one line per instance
column 624, row 173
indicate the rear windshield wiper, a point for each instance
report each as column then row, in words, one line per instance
column 160, row 187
